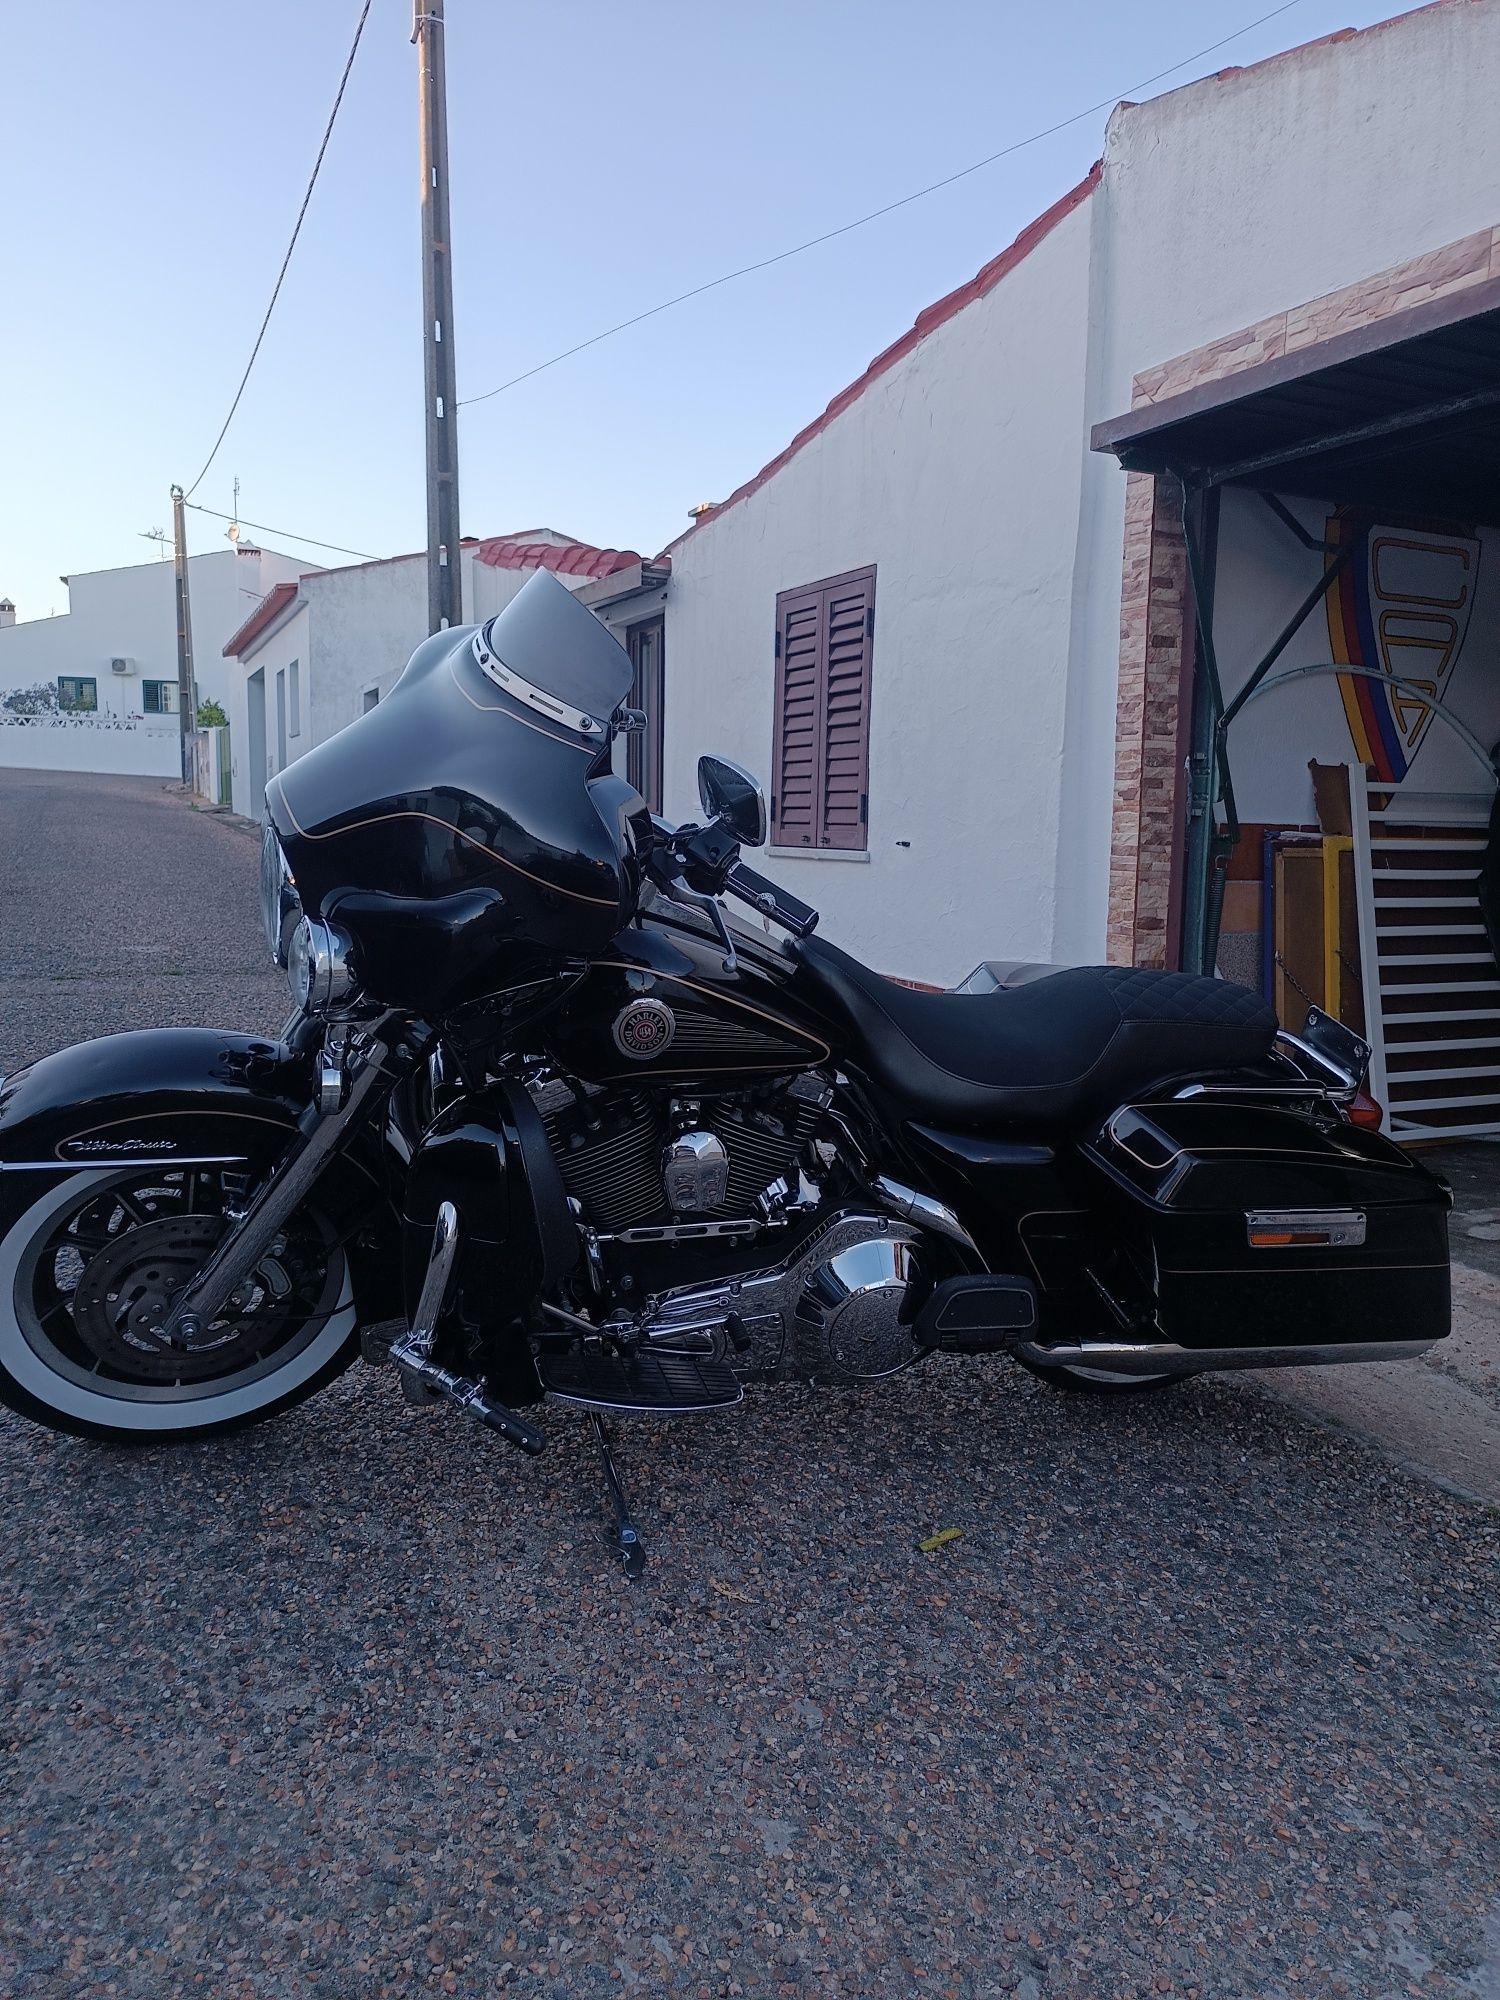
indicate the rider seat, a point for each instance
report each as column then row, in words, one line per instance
column 1060, row 1048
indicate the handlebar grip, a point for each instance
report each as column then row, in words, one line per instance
column 772, row 900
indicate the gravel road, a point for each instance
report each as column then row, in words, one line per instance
column 1202, row 1701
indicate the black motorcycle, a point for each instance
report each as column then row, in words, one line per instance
column 548, row 1123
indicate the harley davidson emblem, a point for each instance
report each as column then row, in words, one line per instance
column 644, row 1029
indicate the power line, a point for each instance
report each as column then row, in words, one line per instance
column 905, row 201
column 285, row 533
column 286, row 260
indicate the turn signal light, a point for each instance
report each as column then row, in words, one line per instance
column 1364, row 1111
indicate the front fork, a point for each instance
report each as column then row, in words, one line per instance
column 372, row 1061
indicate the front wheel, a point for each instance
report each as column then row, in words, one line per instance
column 85, row 1274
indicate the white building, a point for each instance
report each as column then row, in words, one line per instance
column 960, row 643
column 113, row 658
column 324, row 646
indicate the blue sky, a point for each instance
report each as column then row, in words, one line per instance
column 605, row 156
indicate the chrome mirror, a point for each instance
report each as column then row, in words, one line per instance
column 729, row 793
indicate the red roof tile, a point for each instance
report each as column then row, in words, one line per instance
column 564, row 558
column 264, row 615
column 927, row 322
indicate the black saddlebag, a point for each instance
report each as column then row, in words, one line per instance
column 1255, row 1228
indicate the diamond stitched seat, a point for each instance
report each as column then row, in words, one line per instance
column 1060, row 1048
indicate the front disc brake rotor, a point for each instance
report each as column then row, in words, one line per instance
column 125, row 1292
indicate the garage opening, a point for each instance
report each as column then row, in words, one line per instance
column 1332, row 834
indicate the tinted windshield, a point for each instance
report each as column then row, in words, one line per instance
column 545, row 643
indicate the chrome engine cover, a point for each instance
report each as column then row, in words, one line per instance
column 695, row 1173
column 839, row 1309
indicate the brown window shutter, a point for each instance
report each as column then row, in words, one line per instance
column 849, row 617
column 820, row 748
column 796, row 747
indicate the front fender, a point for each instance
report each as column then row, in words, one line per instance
column 178, row 1097
column 172, row 1096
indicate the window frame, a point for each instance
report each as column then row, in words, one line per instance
column 79, row 707
column 165, row 706
column 645, row 750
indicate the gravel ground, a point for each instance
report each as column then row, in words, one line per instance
column 1201, row 1701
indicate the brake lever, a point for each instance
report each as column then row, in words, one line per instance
column 681, row 890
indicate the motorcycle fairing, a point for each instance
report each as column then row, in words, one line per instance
column 454, row 783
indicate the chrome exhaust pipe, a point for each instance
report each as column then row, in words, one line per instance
column 1165, row 1357
column 924, row 1211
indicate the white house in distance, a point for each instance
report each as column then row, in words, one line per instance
column 960, row 643
column 113, row 658
column 324, row 646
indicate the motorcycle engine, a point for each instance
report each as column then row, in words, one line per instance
column 838, row 1298
column 632, row 1158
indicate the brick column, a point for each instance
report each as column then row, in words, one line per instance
column 1154, row 620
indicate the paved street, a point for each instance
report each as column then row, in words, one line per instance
column 1202, row 1701
column 121, row 908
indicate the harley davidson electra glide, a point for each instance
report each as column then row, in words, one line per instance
column 549, row 1124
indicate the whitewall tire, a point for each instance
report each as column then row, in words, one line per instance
column 49, row 1373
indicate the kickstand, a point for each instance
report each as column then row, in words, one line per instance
column 632, row 1554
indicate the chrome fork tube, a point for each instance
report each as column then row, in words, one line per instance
column 241, row 1250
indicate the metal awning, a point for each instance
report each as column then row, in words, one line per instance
column 1403, row 413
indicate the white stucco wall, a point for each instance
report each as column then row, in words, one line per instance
column 964, row 476
column 253, row 738
column 956, row 474
column 1260, row 189
column 144, row 746
column 131, row 613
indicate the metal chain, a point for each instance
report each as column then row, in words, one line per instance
column 1293, row 980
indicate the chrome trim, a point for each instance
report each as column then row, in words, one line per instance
column 695, row 1173
column 924, row 1211
column 320, row 966
column 238, row 1253
column 166, row 1161
column 681, row 1232
column 1165, row 1357
column 1286, row 1091
column 417, row 1344
column 1328, row 1228
column 514, row 685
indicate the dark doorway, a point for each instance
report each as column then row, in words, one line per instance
column 646, row 644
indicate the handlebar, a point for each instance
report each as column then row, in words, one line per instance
column 771, row 900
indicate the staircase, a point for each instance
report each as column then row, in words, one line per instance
column 1431, row 984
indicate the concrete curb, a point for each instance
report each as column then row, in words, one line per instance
column 1439, row 1417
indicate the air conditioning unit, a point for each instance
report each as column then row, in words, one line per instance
column 122, row 666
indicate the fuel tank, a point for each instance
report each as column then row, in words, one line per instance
column 659, row 1002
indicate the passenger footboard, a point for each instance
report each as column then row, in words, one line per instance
column 1254, row 1227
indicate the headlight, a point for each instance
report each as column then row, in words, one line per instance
column 278, row 893
column 319, row 967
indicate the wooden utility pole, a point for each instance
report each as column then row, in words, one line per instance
column 444, row 567
column 187, row 707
